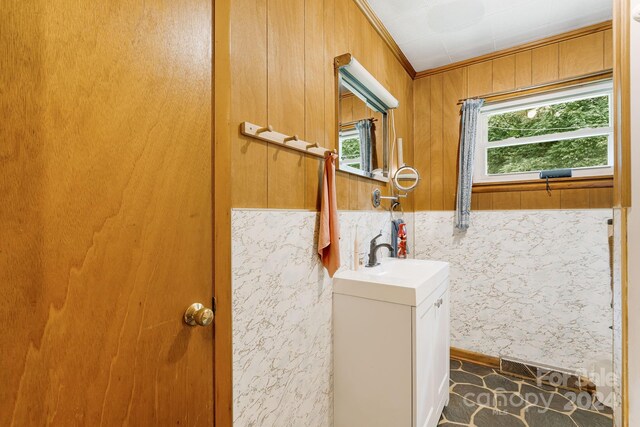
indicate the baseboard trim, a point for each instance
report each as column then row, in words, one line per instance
column 524, row 370
column 473, row 357
column 540, row 373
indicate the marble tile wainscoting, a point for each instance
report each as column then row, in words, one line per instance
column 531, row 285
column 282, row 336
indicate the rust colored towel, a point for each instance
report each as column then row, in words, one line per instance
column 329, row 233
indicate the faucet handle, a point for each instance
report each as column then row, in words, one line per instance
column 376, row 238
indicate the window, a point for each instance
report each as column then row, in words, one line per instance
column 570, row 129
column 350, row 148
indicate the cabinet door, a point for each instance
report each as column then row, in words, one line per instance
column 425, row 403
column 442, row 340
column 372, row 363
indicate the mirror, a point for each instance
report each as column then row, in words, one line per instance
column 362, row 135
column 406, row 178
column 362, row 121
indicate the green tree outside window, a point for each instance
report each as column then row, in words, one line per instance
column 544, row 120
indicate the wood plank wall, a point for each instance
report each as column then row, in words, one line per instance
column 437, row 120
column 282, row 72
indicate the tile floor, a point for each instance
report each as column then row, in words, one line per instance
column 484, row 397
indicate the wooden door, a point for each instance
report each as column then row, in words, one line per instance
column 105, row 212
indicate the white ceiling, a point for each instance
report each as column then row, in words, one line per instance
column 432, row 33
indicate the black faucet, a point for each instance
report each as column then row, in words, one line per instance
column 373, row 249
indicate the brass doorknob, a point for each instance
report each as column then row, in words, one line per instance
column 198, row 314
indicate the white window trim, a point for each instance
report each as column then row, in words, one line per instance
column 345, row 162
column 351, row 160
column 480, row 174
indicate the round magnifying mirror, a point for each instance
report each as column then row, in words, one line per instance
column 406, row 178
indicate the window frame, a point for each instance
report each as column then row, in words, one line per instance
column 348, row 134
column 480, row 173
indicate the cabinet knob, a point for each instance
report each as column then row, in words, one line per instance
column 438, row 303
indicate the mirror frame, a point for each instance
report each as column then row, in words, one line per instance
column 396, row 179
column 381, row 177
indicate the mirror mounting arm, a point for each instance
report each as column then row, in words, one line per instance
column 377, row 197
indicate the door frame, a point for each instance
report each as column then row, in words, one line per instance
column 622, row 171
column 221, row 200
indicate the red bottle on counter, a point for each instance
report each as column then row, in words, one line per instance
column 402, row 241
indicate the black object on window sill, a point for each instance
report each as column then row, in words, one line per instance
column 555, row 173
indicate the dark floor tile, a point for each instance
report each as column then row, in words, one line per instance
column 542, row 405
column 510, row 402
column 591, row 419
column 459, row 410
column 588, row 401
column 499, row 382
column 476, row 369
column 479, row 395
column 566, row 380
column 489, row 418
column 601, row 407
column 546, row 418
column 559, row 379
column 581, row 399
column 461, row 377
column 539, row 385
column 546, row 399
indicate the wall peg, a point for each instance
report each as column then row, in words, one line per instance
column 268, row 128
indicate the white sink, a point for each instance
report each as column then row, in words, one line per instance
column 401, row 281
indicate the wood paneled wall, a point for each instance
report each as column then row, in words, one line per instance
column 437, row 119
column 282, row 74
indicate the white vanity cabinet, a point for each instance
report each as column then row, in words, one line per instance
column 391, row 344
column 430, row 341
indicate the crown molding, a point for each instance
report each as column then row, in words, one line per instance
column 596, row 28
column 386, row 36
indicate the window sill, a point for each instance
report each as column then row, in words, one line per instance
column 541, row 184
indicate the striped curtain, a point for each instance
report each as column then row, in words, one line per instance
column 366, row 141
column 468, row 129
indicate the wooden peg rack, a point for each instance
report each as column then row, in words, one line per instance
column 266, row 133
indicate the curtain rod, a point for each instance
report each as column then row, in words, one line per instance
column 558, row 84
column 356, row 121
